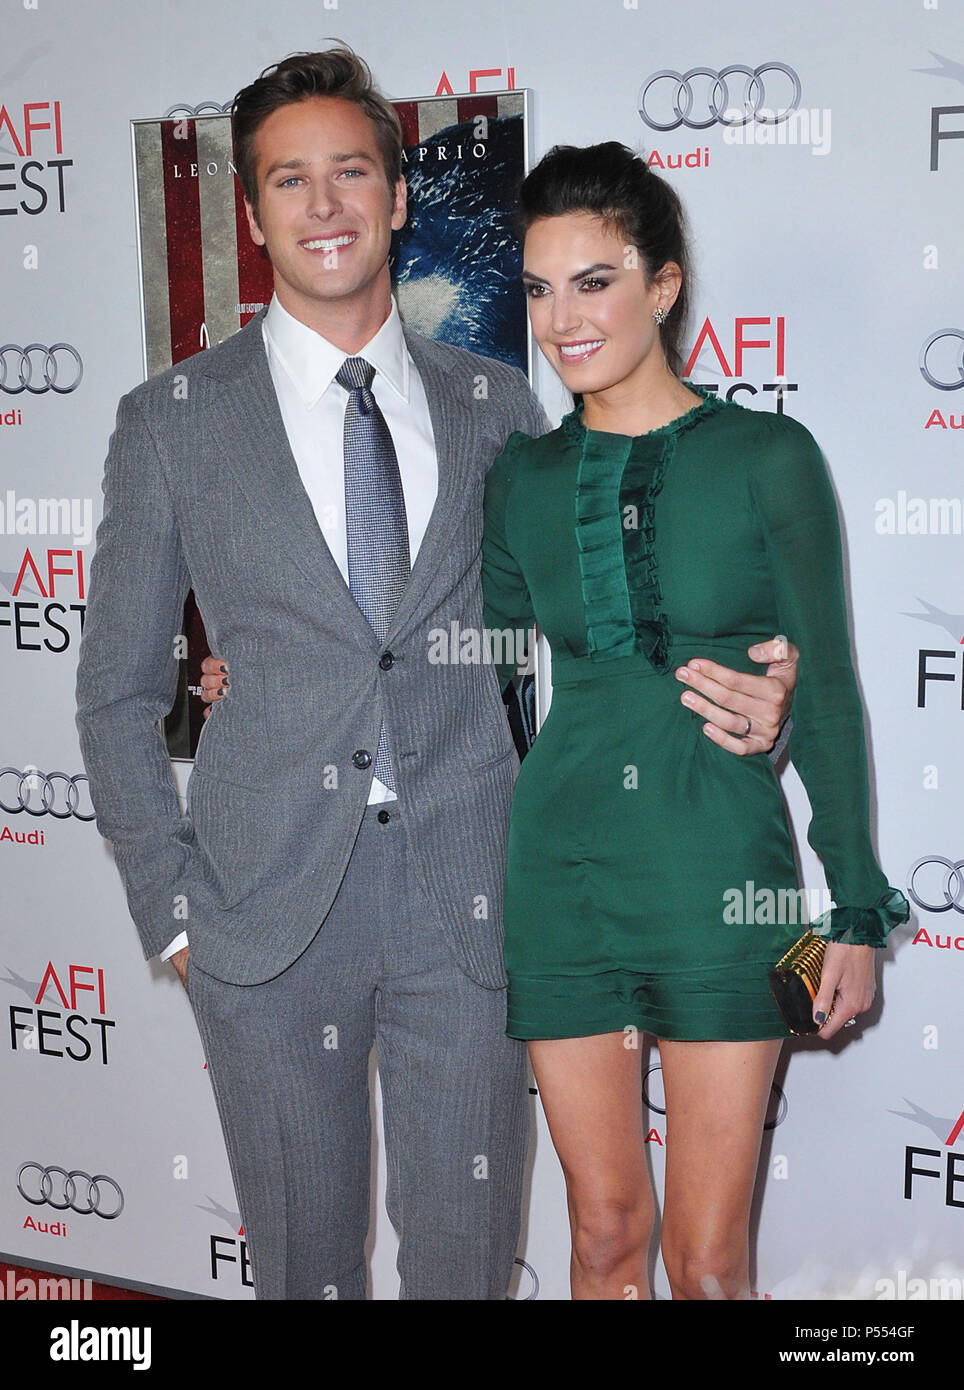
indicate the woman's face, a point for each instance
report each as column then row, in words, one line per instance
column 590, row 307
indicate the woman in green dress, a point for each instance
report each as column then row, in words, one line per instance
column 647, row 866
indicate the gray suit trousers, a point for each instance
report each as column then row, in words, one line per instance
column 455, row 1102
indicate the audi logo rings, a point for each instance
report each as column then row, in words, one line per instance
column 203, row 108
column 61, row 1190
column 952, row 887
column 48, row 369
column 534, row 1284
column 718, row 97
column 47, row 784
column 926, row 372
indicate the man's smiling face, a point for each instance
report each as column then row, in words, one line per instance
column 325, row 210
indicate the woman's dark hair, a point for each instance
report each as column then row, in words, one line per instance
column 335, row 72
column 613, row 183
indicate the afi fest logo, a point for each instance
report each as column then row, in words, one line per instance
column 947, row 122
column 32, row 150
column 55, row 618
column 228, row 1255
column 948, row 1169
column 938, row 667
column 46, row 584
column 720, row 349
column 493, row 78
column 76, row 1027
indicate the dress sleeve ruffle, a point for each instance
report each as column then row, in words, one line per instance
column 864, row 926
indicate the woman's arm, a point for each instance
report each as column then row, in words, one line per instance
column 797, row 510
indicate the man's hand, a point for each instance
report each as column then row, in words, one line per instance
column 214, row 683
column 179, row 961
column 727, row 699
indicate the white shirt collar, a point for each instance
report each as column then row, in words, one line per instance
column 312, row 362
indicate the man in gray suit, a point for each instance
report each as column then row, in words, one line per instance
column 339, row 868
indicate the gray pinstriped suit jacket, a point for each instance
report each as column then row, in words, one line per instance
column 201, row 490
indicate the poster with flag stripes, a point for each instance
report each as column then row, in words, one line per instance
column 455, row 263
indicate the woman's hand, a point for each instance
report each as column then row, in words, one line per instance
column 214, row 681
column 847, row 985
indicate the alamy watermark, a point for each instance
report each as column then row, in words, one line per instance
column 800, row 127
column 935, row 1288
column 23, row 1286
column 771, row 907
column 470, row 646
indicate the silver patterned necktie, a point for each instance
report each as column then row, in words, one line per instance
column 376, row 523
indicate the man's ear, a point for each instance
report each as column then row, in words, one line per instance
column 399, row 204
column 257, row 236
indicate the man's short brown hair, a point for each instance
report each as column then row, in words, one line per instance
column 335, row 72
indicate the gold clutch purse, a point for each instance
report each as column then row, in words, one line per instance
column 795, row 980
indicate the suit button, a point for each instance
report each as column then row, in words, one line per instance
column 383, row 817
column 362, row 759
column 386, row 661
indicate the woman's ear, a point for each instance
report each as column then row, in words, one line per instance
column 669, row 281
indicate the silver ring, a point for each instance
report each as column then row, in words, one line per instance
column 749, row 726
column 850, row 1022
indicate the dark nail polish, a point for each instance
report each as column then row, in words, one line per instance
column 820, row 1016
column 223, row 667
column 225, row 681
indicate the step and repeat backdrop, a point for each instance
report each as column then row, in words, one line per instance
column 819, row 151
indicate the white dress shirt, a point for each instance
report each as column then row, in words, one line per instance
column 303, row 366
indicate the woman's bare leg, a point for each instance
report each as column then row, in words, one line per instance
column 591, row 1090
column 716, row 1099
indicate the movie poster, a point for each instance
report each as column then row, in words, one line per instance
column 455, row 263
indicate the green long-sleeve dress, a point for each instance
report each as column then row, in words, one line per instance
column 646, row 865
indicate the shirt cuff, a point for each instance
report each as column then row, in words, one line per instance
column 177, row 944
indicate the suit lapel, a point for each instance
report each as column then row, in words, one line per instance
column 455, row 473
column 246, row 418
